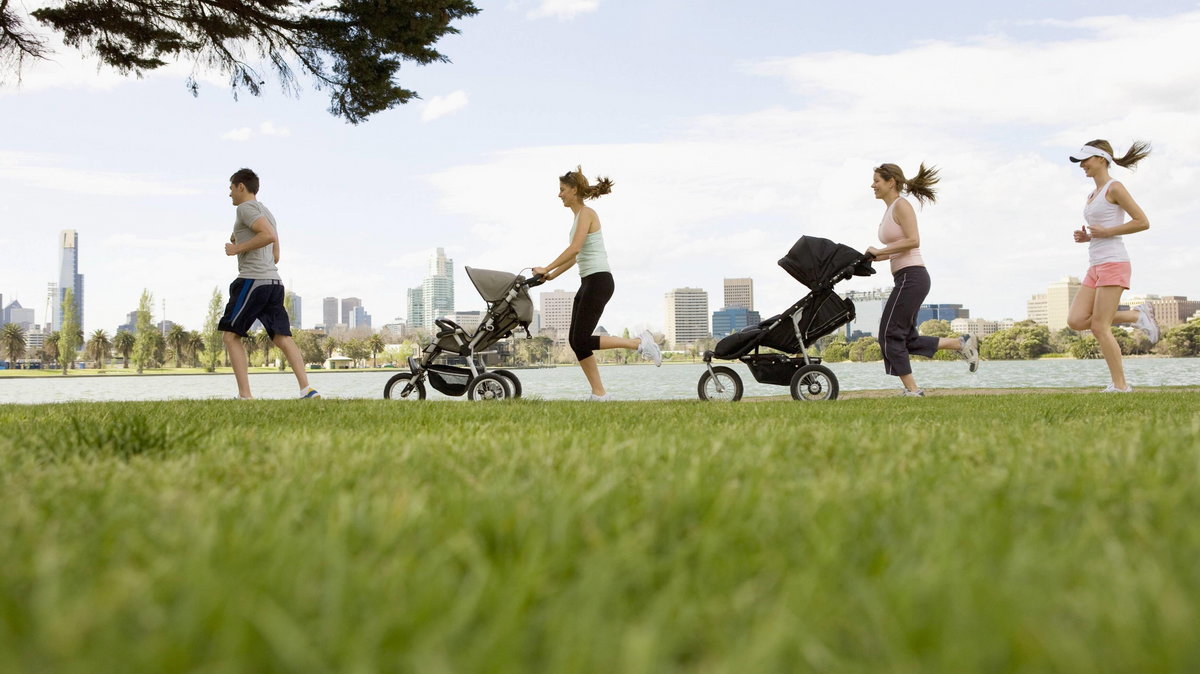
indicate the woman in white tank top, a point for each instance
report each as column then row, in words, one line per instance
column 1109, row 269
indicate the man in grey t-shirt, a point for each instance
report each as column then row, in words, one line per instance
column 257, row 293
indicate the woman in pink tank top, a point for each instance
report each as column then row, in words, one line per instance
column 1109, row 269
column 898, row 335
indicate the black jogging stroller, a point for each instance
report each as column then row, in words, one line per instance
column 819, row 264
column 509, row 309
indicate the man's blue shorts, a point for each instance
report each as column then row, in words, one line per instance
column 256, row 300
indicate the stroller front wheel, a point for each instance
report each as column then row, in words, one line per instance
column 814, row 382
column 721, row 384
column 489, row 386
column 401, row 387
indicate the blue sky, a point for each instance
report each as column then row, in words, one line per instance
column 729, row 132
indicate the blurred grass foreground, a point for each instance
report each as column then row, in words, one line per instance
column 959, row 534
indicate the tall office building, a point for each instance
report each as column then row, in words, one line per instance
column 359, row 318
column 329, row 313
column 1051, row 307
column 15, row 313
column 69, row 277
column 294, row 314
column 555, row 308
column 349, row 304
column 868, row 311
column 437, row 290
column 739, row 293
column 686, row 316
column 416, row 308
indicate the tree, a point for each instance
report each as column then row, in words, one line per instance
column 144, row 342
column 861, row 351
column 309, row 345
column 935, row 327
column 98, row 347
column 194, row 347
column 375, row 344
column 836, row 352
column 177, row 339
column 70, row 334
column 1023, row 341
column 12, row 341
column 1085, row 348
column 356, row 349
column 1124, row 340
column 1183, row 341
column 50, row 347
column 213, row 347
column 331, row 345
column 351, row 48
column 123, row 342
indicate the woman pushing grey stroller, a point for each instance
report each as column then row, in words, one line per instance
column 586, row 248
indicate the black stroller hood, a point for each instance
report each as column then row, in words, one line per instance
column 814, row 261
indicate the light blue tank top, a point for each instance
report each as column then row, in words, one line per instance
column 592, row 258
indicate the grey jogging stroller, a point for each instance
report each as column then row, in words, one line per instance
column 819, row 264
column 509, row 309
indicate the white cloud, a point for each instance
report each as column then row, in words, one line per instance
column 264, row 129
column 731, row 193
column 562, row 9
column 46, row 171
column 440, row 106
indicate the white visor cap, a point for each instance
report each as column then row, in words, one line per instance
column 1090, row 151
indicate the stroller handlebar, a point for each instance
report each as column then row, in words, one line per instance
column 535, row 280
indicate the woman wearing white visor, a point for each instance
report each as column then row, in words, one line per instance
column 1095, row 307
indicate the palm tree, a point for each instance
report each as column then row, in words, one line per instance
column 375, row 344
column 98, row 347
column 123, row 342
column 12, row 341
column 177, row 339
column 50, row 347
column 264, row 343
column 195, row 346
column 331, row 345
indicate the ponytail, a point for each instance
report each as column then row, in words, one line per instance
column 1138, row 151
column 585, row 190
column 920, row 186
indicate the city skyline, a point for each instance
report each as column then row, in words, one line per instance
column 731, row 154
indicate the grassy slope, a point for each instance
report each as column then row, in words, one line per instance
column 1000, row 533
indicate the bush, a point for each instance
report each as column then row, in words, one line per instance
column 1086, row 347
column 836, row 352
column 1182, row 341
column 858, row 350
column 1024, row 341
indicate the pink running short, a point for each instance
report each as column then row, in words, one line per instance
column 1108, row 274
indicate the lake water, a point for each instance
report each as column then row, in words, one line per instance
column 630, row 382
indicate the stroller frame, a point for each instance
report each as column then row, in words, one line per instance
column 803, row 374
column 499, row 322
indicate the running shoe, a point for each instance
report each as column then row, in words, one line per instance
column 649, row 349
column 1146, row 322
column 919, row 393
column 1113, row 389
column 970, row 351
column 593, row 398
column 309, row 392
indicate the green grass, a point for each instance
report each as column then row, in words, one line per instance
column 1051, row 533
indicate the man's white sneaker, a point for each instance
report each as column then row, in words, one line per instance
column 919, row 393
column 309, row 392
column 1146, row 322
column 970, row 351
column 1113, row 389
column 593, row 398
column 649, row 349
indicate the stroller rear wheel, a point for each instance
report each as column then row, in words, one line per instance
column 721, row 384
column 514, row 384
column 400, row 388
column 814, row 382
column 489, row 386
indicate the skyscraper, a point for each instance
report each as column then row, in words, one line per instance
column 416, row 308
column 686, row 316
column 295, row 311
column 437, row 290
column 739, row 293
column 69, row 277
column 329, row 313
column 556, row 314
column 1051, row 307
column 349, row 304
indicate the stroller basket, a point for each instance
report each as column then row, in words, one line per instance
column 449, row 380
column 773, row 368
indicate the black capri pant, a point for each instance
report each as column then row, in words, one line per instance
column 595, row 290
column 898, row 326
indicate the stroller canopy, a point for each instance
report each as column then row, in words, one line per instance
column 494, row 285
column 813, row 261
